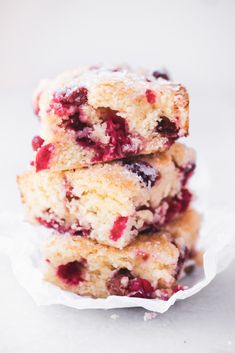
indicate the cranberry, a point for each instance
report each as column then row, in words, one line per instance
column 118, row 228
column 71, row 273
column 67, row 101
column 178, row 204
column 187, row 172
column 145, row 171
column 37, row 142
column 167, row 128
column 84, row 140
column 170, row 207
column 159, row 74
column 43, row 157
column 73, row 123
column 117, row 129
column 151, row 96
column 120, row 143
column 185, row 197
column 124, row 283
column 118, row 283
column 82, row 130
column 54, row 224
column 141, row 288
column 61, row 227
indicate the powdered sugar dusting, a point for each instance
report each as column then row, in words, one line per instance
column 90, row 76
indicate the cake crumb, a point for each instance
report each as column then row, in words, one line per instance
column 149, row 315
column 114, row 316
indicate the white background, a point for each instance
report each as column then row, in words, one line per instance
column 195, row 40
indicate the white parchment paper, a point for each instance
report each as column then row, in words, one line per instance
column 21, row 242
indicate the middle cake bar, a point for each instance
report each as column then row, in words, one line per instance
column 113, row 202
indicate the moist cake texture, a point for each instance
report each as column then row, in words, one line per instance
column 111, row 202
column 148, row 268
column 95, row 114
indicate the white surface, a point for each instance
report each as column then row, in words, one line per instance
column 195, row 40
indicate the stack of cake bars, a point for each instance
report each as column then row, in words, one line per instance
column 111, row 183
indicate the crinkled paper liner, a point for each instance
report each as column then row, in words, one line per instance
column 21, row 242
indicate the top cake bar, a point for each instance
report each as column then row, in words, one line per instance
column 95, row 114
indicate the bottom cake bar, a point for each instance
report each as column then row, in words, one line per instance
column 148, row 268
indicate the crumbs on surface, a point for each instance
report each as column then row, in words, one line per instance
column 114, row 316
column 149, row 315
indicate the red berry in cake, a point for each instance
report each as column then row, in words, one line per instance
column 141, row 288
column 159, row 74
column 118, row 283
column 178, row 204
column 185, row 197
column 117, row 129
column 82, row 130
column 71, row 273
column 120, row 143
column 171, row 207
column 67, row 101
column 58, row 225
column 83, row 139
column 118, row 228
column 124, row 283
column 167, row 128
column 145, row 172
column 151, row 96
column 187, row 172
column 43, row 157
column 37, row 142
column 74, row 123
